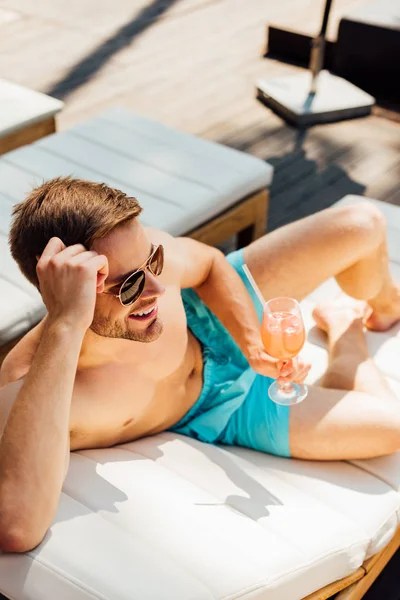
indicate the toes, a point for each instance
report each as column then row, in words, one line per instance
column 367, row 313
column 378, row 323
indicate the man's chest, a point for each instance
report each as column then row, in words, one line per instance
column 105, row 407
column 121, row 403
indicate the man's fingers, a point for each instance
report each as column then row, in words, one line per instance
column 77, row 255
column 100, row 263
column 282, row 380
column 297, row 379
column 54, row 246
column 65, row 251
column 302, row 374
column 285, row 365
column 300, row 377
column 292, row 374
column 82, row 257
column 74, row 250
column 272, row 360
column 95, row 261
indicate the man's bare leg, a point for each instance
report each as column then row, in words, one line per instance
column 353, row 414
column 348, row 242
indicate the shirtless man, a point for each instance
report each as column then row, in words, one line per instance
column 129, row 348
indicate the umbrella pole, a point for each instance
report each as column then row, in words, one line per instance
column 318, row 49
column 328, row 98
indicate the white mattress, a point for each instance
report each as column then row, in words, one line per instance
column 170, row 518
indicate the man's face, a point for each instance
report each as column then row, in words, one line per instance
column 127, row 248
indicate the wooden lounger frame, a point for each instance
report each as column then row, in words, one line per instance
column 356, row 585
column 247, row 219
column 27, row 135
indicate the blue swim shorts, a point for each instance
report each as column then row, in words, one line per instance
column 234, row 407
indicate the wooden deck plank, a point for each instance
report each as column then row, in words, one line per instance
column 193, row 65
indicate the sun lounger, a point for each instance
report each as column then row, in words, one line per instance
column 170, row 518
column 187, row 186
column 25, row 115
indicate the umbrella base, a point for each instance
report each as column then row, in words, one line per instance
column 335, row 99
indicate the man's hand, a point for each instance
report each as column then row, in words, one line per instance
column 69, row 279
column 285, row 371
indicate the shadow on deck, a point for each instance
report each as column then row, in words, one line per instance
column 87, row 68
column 301, row 186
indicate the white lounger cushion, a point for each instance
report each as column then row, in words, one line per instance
column 179, row 179
column 168, row 517
column 21, row 107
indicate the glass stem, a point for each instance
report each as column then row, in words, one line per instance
column 288, row 387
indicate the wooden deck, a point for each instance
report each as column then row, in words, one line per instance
column 193, row 64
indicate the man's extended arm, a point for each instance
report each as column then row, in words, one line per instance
column 34, row 416
column 221, row 288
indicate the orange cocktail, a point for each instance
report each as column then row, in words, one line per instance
column 283, row 335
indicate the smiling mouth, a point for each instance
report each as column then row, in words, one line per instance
column 145, row 314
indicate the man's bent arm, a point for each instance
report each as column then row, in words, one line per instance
column 225, row 294
column 35, row 441
column 222, row 290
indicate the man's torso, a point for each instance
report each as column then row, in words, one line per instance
column 145, row 392
column 120, row 403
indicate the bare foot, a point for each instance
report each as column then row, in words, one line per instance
column 341, row 313
column 384, row 317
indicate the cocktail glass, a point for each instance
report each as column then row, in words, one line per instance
column 283, row 335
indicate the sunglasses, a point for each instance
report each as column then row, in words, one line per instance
column 131, row 289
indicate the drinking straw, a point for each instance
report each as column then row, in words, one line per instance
column 253, row 284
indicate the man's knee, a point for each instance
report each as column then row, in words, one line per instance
column 365, row 221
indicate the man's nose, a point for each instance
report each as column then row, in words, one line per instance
column 153, row 286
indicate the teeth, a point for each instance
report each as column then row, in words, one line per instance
column 146, row 312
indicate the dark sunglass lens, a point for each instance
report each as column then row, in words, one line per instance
column 132, row 288
column 157, row 263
